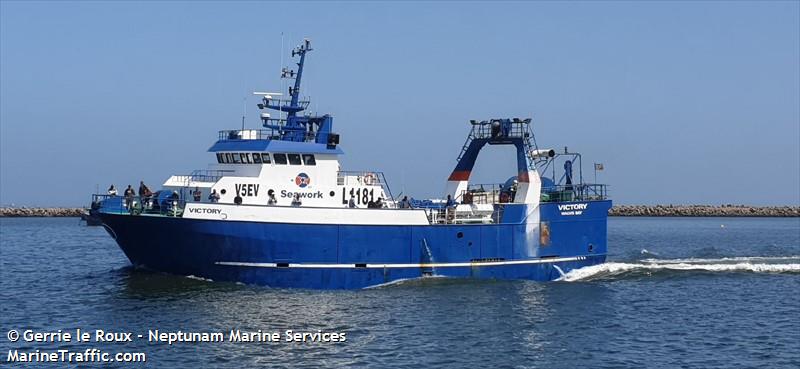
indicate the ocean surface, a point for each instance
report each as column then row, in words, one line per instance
column 676, row 293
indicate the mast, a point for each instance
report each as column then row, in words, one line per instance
column 296, row 128
column 295, row 92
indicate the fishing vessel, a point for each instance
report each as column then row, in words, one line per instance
column 275, row 208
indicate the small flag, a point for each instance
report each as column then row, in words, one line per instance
column 598, row 166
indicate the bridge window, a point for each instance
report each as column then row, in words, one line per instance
column 236, row 158
column 294, row 159
column 256, row 158
column 309, row 159
column 265, row 158
column 280, row 159
column 246, row 156
column 220, row 158
column 228, row 158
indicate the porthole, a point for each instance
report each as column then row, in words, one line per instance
column 460, row 234
column 222, row 191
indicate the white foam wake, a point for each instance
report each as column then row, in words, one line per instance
column 613, row 269
column 763, row 259
column 196, row 278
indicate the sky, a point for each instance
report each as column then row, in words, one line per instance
column 683, row 102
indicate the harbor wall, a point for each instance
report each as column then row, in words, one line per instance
column 617, row 210
column 40, row 212
column 703, row 211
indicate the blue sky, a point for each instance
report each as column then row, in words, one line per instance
column 684, row 102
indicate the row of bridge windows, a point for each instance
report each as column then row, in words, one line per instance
column 265, row 158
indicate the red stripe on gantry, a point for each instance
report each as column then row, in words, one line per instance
column 459, row 175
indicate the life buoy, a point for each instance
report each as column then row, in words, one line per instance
column 370, row 179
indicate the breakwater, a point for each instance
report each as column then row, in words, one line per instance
column 40, row 212
column 617, row 210
column 703, row 211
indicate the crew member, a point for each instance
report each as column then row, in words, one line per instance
column 271, row 200
column 129, row 193
column 144, row 192
column 213, row 196
column 197, row 194
column 404, row 203
column 112, row 191
column 296, row 201
column 450, row 202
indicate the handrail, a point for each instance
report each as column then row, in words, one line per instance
column 261, row 134
column 575, row 192
column 517, row 129
column 247, row 134
column 136, row 205
column 491, row 193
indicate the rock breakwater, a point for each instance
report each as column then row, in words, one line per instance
column 40, row 212
column 703, row 211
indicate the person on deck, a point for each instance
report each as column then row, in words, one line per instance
column 450, row 202
column 197, row 194
column 112, row 191
column 213, row 196
column 379, row 203
column 296, row 201
column 144, row 192
column 129, row 194
column 404, row 203
column 352, row 202
column 272, row 200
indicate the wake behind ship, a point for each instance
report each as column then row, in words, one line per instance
column 276, row 209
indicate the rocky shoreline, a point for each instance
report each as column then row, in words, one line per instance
column 40, row 212
column 618, row 210
column 703, row 211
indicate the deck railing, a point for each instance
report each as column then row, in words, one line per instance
column 511, row 129
column 136, row 205
column 248, row 134
column 203, row 175
column 497, row 194
column 575, row 192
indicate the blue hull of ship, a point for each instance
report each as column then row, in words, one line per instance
column 357, row 256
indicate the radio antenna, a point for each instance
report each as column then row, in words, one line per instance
column 244, row 110
column 283, row 87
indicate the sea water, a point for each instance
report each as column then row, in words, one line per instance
column 676, row 292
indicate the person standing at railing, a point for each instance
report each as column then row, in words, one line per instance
column 450, row 207
column 296, row 201
column 144, row 193
column 404, row 203
column 213, row 196
column 197, row 194
column 129, row 193
column 352, row 203
column 112, row 191
column 450, row 202
column 271, row 200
